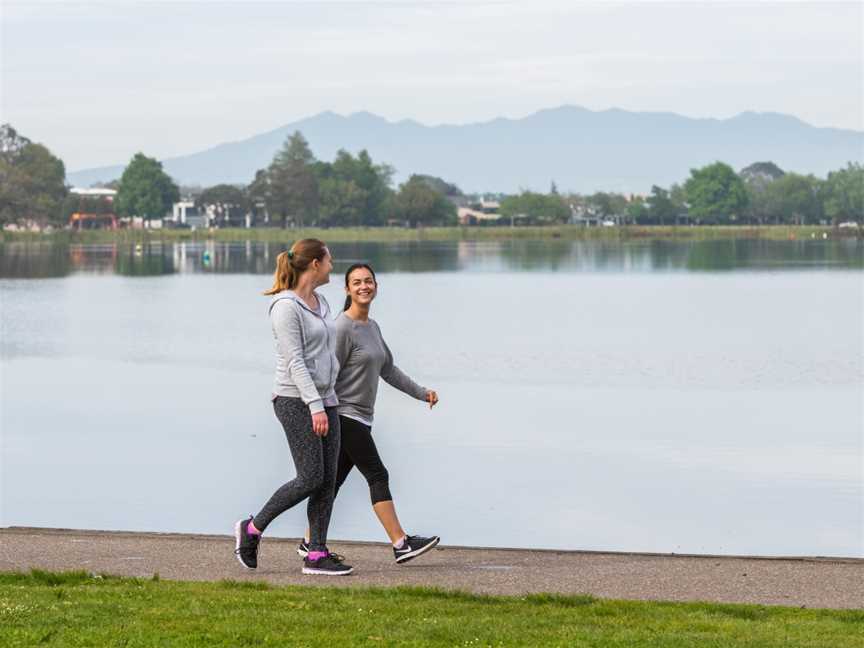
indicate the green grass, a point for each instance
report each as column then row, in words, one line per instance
column 78, row 609
column 392, row 234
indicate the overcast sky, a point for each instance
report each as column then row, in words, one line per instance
column 98, row 81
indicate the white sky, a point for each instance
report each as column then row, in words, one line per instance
column 98, row 81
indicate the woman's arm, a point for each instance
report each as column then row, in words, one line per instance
column 344, row 343
column 396, row 377
column 289, row 339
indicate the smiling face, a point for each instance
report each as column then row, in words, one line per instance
column 361, row 286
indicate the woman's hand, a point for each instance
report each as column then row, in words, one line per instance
column 432, row 398
column 320, row 424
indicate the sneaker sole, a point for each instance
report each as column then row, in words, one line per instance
column 417, row 552
column 324, row 572
column 237, row 546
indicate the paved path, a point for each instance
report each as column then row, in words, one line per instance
column 796, row 582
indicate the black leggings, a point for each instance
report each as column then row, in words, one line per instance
column 358, row 449
column 315, row 462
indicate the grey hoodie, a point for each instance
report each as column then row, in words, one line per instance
column 306, row 365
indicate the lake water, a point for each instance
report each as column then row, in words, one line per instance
column 657, row 396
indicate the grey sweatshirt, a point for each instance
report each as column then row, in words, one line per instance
column 363, row 357
column 306, row 365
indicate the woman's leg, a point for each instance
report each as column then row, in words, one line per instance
column 343, row 468
column 308, row 453
column 321, row 499
column 360, row 447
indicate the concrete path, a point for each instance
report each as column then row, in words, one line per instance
column 800, row 582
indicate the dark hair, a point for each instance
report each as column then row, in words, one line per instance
column 352, row 268
column 291, row 264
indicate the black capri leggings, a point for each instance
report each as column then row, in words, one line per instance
column 358, row 449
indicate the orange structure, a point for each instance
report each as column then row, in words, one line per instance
column 81, row 221
column 95, row 208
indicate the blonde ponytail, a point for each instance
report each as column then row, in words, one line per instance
column 293, row 263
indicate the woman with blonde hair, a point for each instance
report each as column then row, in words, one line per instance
column 305, row 403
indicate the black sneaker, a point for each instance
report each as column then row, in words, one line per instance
column 329, row 565
column 246, row 544
column 414, row 546
column 303, row 549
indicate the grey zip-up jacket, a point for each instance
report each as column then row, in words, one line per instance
column 306, row 365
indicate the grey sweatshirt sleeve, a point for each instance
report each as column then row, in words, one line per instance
column 289, row 339
column 396, row 378
column 344, row 343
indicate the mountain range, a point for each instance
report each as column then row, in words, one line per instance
column 579, row 149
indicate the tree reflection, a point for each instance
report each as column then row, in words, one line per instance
column 35, row 260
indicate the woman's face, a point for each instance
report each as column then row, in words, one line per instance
column 323, row 268
column 361, row 287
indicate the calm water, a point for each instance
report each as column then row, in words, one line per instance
column 686, row 397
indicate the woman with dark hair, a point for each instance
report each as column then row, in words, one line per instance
column 363, row 358
column 305, row 403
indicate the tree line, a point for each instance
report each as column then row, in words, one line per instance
column 297, row 190
column 761, row 194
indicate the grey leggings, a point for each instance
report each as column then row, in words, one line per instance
column 315, row 461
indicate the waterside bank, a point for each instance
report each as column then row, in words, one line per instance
column 395, row 234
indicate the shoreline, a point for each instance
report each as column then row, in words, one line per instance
column 456, row 233
column 836, row 583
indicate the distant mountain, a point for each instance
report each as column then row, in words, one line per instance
column 581, row 150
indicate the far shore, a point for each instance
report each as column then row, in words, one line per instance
column 455, row 233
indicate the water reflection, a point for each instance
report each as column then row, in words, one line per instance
column 43, row 260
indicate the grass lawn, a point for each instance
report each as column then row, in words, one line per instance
column 393, row 234
column 78, row 609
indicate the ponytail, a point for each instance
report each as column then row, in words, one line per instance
column 293, row 263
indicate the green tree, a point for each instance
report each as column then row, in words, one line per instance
column 342, row 203
column 354, row 191
column 792, row 199
column 538, row 208
column 637, row 210
column 716, row 193
column 293, row 183
column 661, row 207
column 761, row 203
column 376, row 181
column 608, row 206
column 761, row 173
column 32, row 180
column 145, row 189
column 440, row 185
column 419, row 204
column 844, row 194
column 258, row 192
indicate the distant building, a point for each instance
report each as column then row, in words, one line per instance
column 106, row 194
column 95, row 209
column 482, row 212
column 186, row 214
